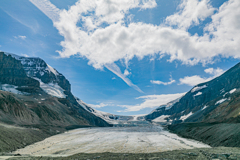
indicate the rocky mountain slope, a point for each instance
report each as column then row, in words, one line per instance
column 44, row 110
column 215, row 101
column 40, row 95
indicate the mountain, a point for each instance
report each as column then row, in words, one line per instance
column 215, row 101
column 51, row 81
column 115, row 120
column 209, row 112
column 40, row 95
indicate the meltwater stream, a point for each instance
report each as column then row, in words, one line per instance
column 133, row 137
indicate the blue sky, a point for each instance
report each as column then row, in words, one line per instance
column 126, row 57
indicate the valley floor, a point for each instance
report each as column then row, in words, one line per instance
column 142, row 139
column 215, row 153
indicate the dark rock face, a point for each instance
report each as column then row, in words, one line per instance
column 205, row 106
column 12, row 72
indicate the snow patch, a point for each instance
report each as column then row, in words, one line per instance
column 161, row 118
column 225, row 94
column 197, row 88
column 52, row 89
column 50, row 69
column 30, row 63
column 12, row 89
column 41, row 73
column 222, row 90
column 13, row 55
column 232, row 91
column 183, row 118
column 204, row 107
column 220, row 101
column 198, row 94
column 82, row 104
column 135, row 117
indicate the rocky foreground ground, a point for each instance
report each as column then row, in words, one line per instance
column 220, row 153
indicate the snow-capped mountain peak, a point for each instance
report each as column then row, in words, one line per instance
column 51, row 81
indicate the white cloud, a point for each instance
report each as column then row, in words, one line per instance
column 126, row 72
column 164, row 83
column 192, row 80
column 225, row 28
column 148, row 4
column 196, row 79
column 101, row 105
column 191, row 12
column 152, row 101
column 21, row 37
column 104, row 45
column 215, row 72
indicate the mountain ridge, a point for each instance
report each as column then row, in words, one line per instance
column 205, row 99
